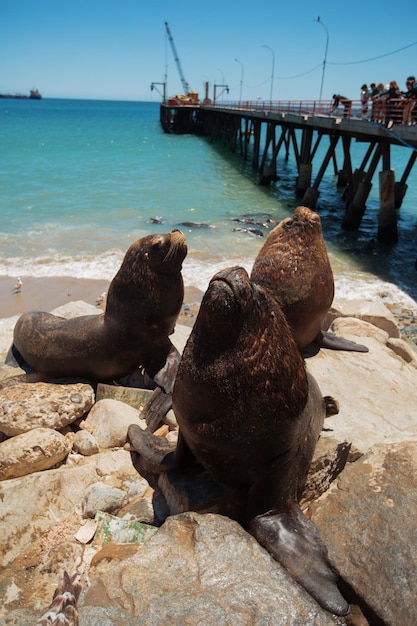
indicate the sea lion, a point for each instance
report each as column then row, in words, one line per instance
column 196, row 225
column 293, row 265
column 143, row 302
column 250, row 414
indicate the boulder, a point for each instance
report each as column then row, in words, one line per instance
column 197, row 569
column 25, row 405
column 109, row 421
column 376, row 313
column 368, row 522
column 85, row 443
column 34, row 451
column 376, row 390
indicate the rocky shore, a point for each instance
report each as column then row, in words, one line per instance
column 72, row 499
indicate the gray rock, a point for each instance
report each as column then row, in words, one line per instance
column 85, row 443
column 33, row 405
column 368, row 521
column 101, row 497
column 342, row 326
column 33, row 504
column 76, row 309
column 206, row 569
column 197, row 569
column 34, row 451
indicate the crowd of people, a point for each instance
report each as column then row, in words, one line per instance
column 384, row 104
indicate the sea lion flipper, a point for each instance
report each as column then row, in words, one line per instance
column 156, row 452
column 333, row 342
column 332, row 406
column 166, row 375
column 295, row 543
column 156, row 408
column 15, row 359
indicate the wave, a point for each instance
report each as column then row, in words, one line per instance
column 197, row 272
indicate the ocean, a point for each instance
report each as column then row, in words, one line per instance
column 81, row 180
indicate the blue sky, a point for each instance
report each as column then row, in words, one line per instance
column 115, row 49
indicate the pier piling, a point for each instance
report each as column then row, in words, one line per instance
column 387, row 216
column 250, row 129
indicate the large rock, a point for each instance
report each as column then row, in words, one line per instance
column 33, row 405
column 369, row 524
column 376, row 390
column 32, row 504
column 109, row 421
column 376, row 313
column 197, row 569
column 34, row 451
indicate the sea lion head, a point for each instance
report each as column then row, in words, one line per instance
column 241, row 327
column 228, row 303
column 159, row 253
column 294, row 267
column 303, row 229
column 148, row 286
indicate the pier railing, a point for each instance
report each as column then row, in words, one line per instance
column 379, row 111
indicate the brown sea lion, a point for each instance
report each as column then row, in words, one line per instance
column 143, row 302
column 293, row 265
column 249, row 413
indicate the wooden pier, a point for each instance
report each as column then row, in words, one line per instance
column 261, row 130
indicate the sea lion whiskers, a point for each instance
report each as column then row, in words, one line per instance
column 177, row 241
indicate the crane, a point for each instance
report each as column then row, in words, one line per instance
column 185, row 85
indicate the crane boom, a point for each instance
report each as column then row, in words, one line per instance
column 185, row 85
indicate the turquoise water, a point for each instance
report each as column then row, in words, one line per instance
column 81, row 180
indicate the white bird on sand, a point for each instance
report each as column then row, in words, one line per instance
column 18, row 286
column 100, row 299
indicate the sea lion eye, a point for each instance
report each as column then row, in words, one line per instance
column 289, row 224
column 157, row 245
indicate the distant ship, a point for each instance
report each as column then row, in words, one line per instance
column 35, row 94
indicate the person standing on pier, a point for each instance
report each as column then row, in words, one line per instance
column 364, row 101
column 393, row 116
column 379, row 100
column 346, row 102
column 373, row 91
column 410, row 97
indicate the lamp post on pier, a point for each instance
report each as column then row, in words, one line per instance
column 272, row 72
column 325, row 54
column 164, row 94
column 225, row 89
column 241, row 79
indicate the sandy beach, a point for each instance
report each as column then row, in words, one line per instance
column 45, row 294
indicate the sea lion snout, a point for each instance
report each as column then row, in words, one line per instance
column 177, row 245
column 232, row 287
